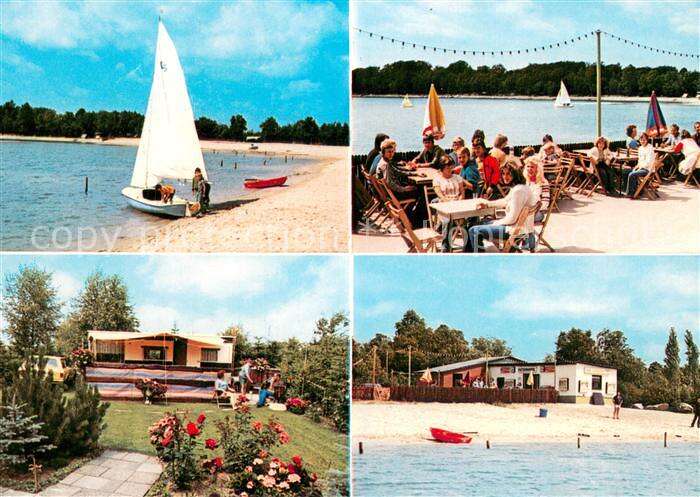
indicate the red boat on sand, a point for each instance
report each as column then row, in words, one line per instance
column 264, row 183
column 449, row 437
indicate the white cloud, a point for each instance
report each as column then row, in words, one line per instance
column 159, row 318
column 218, row 277
column 20, row 64
column 381, row 308
column 67, row 287
column 302, row 86
column 533, row 303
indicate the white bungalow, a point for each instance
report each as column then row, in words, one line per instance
column 164, row 347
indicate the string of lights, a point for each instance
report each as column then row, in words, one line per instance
column 518, row 51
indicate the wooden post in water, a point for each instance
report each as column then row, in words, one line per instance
column 598, row 89
column 665, row 439
column 578, row 443
column 86, row 185
column 488, row 444
column 361, row 448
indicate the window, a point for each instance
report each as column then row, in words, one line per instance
column 210, row 355
column 597, row 382
column 154, row 353
column 109, row 351
column 52, row 363
column 563, row 384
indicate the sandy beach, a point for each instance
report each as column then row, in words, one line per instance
column 601, row 224
column 309, row 214
column 516, row 423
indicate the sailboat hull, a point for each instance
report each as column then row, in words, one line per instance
column 563, row 105
column 135, row 199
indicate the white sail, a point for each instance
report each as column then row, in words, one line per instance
column 169, row 146
column 406, row 102
column 563, row 99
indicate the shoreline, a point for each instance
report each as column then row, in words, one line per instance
column 606, row 98
column 308, row 214
column 405, row 423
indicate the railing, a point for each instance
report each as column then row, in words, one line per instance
column 463, row 395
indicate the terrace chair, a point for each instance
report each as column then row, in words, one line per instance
column 376, row 205
column 691, row 176
column 518, row 236
column 593, row 180
column 557, row 176
column 553, row 197
column 421, row 240
column 649, row 184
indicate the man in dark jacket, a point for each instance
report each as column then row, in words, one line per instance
column 696, row 410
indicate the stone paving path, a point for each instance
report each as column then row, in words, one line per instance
column 113, row 474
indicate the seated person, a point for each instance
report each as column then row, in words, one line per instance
column 644, row 164
column 388, row 149
column 266, row 392
column 519, row 197
column 526, row 153
column 469, row 173
column 221, row 386
column 448, row 186
column 601, row 156
column 534, row 178
column 691, row 153
column 549, row 153
column 489, row 167
column 631, row 133
column 373, row 155
column 166, row 192
column 478, row 136
column 457, row 145
column 673, row 137
column 430, row 155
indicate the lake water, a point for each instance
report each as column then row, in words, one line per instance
column 640, row 469
column 44, row 206
column 523, row 121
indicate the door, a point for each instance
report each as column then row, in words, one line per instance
column 535, row 378
column 500, row 382
column 180, row 352
column 457, row 380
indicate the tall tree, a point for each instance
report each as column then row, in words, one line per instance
column 576, row 345
column 489, row 347
column 238, row 127
column 672, row 359
column 692, row 368
column 31, row 309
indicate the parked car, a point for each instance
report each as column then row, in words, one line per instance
column 55, row 367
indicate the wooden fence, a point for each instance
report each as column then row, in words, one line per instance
column 463, row 395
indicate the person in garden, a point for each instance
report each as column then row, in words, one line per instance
column 601, row 156
column 430, row 155
column 644, row 164
column 244, row 375
column 267, row 391
column 221, row 387
column 617, row 404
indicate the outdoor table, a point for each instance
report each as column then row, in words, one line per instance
column 424, row 176
column 623, row 160
column 668, row 153
column 462, row 209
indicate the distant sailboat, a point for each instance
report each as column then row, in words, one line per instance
column 563, row 99
column 169, row 146
column 406, row 102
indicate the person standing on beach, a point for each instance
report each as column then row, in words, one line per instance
column 696, row 411
column 199, row 189
column 617, row 403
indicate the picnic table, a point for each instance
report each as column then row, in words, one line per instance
column 462, row 209
column 668, row 153
column 424, row 176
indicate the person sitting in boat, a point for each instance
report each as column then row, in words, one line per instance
column 631, row 133
column 166, row 192
column 430, row 155
column 488, row 166
column 519, row 197
column 457, row 145
column 602, row 157
column 691, row 153
column 644, row 164
column 534, row 178
column 469, row 173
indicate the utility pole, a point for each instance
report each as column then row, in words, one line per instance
column 598, row 89
column 409, row 365
column 374, row 365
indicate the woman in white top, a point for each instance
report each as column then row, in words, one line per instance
column 386, row 151
column 534, row 178
column 448, row 186
column 644, row 164
column 519, row 197
column 601, row 156
column 691, row 153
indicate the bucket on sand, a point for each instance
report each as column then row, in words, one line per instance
column 543, row 412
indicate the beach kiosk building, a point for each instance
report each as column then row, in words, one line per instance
column 166, row 348
column 577, row 382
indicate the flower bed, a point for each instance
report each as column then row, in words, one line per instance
column 296, row 405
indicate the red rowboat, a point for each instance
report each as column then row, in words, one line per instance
column 264, row 183
column 449, row 437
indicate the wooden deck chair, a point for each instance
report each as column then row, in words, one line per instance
column 221, row 401
column 649, row 184
column 518, row 234
column 553, row 197
column 691, row 176
column 577, row 172
column 556, row 176
column 593, row 180
column 421, row 240
column 380, row 198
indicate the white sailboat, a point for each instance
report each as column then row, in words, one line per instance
column 406, row 102
column 563, row 99
column 169, row 146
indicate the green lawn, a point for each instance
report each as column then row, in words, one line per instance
column 321, row 447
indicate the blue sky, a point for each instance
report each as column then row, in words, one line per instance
column 275, row 297
column 286, row 59
column 479, row 25
column 529, row 300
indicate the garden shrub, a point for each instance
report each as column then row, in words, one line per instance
column 151, row 389
column 20, row 438
column 296, row 405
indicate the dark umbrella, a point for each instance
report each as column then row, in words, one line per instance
column 656, row 124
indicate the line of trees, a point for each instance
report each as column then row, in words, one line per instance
column 415, row 76
column 40, row 121
column 671, row 382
